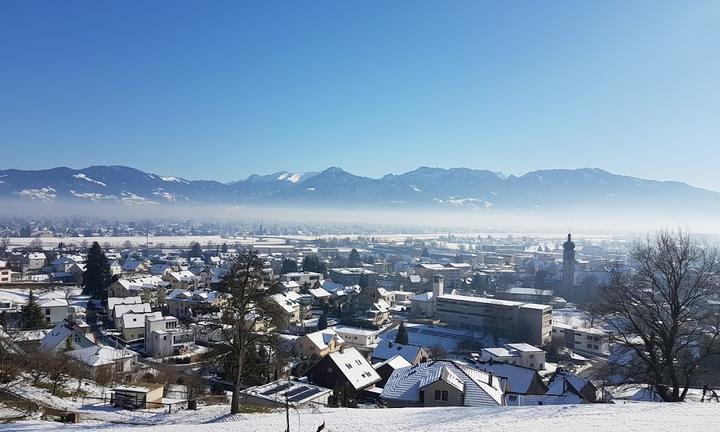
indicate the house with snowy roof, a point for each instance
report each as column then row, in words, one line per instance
column 386, row 368
column 387, row 349
column 346, row 371
column 114, row 301
column 318, row 344
column 104, row 364
column 122, row 309
column 443, row 383
column 132, row 325
column 521, row 354
column 134, row 266
column 115, row 267
column 54, row 309
column 518, row 379
column 184, row 279
column 182, row 303
column 356, row 336
column 563, row 381
column 290, row 309
column 160, row 269
column 73, row 334
column 320, row 296
column 147, row 286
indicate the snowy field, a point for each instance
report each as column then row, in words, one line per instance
column 169, row 241
column 653, row 417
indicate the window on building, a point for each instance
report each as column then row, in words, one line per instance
column 47, row 311
column 438, row 395
column 444, row 395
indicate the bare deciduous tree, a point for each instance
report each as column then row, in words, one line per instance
column 660, row 315
column 249, row 319
column 10, row 359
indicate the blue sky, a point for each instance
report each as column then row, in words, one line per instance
column 224, row 89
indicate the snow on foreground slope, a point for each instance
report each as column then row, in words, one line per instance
column 655, row 417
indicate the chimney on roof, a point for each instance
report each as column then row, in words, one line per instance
column 389, row 344
column 490, row 377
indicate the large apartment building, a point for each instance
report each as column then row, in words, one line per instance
column 526, row 322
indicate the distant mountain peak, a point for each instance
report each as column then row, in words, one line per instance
column 479, row 190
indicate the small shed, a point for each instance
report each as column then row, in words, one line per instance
column 141, row 396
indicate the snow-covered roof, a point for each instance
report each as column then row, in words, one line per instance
column 395, row 362
column 405, row 384
column 114, row 301
column 523, row 347
column 494, row 301
column 561, row 379
column 285, row 303
column 123, row 309
column 131, row 265
column 423, row 297
column 322, row 338
column 355, row 330
column 60, row 333
column 295, row 392
column 331, row 286
column 519, row 379
column 356, row 369
column 184, row 276
column 319, row 293
column 137, row 320
column 528, row 291
column 388, row 349
column 100, row 355
column 52, row 302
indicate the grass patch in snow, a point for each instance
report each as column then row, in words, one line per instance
column 60, row 391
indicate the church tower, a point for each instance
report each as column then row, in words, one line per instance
column 568, row 267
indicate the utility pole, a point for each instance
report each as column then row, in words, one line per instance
column 287, row 410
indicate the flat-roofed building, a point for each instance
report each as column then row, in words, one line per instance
column 354, row 276
column 527, row 322
column 302, row 278
column 591, row 341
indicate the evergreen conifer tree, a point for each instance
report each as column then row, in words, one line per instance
column 195, row 250
column 97, row 274
column 402, row 334
column 322, row 322
column 32, row 315
column 354, row 259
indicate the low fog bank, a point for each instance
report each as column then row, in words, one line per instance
column 589, row 220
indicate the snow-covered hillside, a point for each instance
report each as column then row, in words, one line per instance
column 655, row 417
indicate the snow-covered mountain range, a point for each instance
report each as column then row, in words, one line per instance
column 423, row 187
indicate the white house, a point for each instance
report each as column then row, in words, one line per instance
column 54, row 309
column 75, row 334
column 302, row 278
column 165, row 337
column 105, row 363
column 521, row 354
column 132, row 325
column 591, row 341
column 358, row 336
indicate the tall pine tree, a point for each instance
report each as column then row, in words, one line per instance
column 288, row 266
column 354, row 259
column 322, row 322
column 97, row 274
column 402, row 334
column 195, row 250
column 32, row 315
